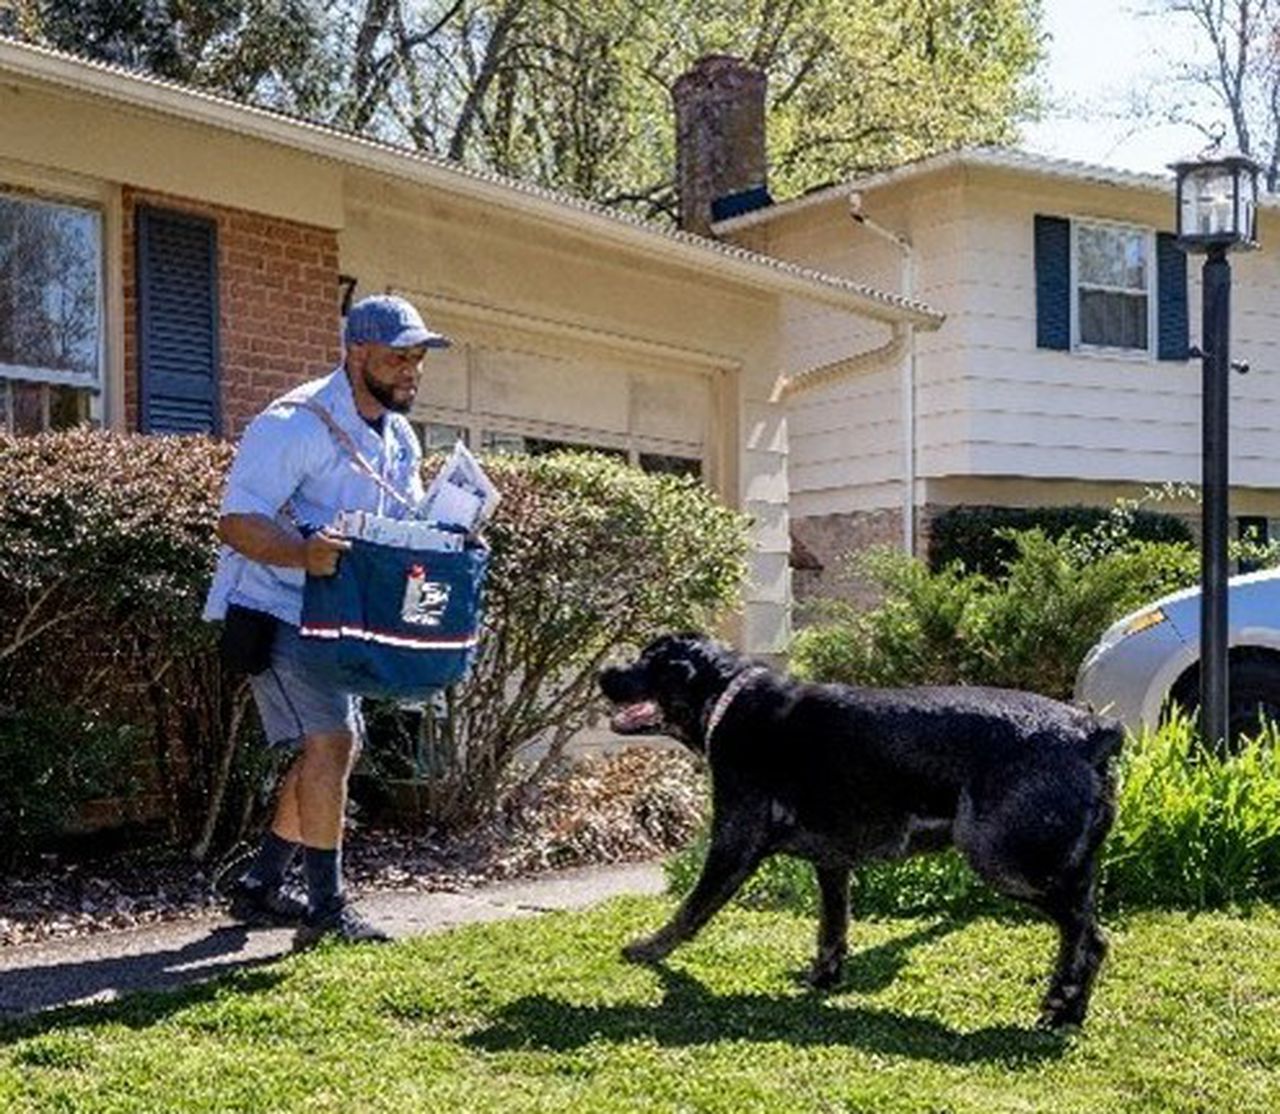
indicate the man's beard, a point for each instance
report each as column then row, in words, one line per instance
column 386, row 395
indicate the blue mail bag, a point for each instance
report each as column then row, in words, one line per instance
column 393, row 622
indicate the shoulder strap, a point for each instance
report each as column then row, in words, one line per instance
column 347, row 443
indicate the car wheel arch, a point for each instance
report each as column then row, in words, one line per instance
column 1185, row 690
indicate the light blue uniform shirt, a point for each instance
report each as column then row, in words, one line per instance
column 289, row 456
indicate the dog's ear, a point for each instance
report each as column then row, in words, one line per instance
column 680, row 671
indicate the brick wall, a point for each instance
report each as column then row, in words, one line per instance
column 830, row 539
column 278, row 300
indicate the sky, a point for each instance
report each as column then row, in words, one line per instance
column 1100, row 54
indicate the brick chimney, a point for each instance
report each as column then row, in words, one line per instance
column 720, row 158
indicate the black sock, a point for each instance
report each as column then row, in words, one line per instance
column 274, row 857
column 323, row 866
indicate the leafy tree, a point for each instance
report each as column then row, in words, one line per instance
column 279, row 52
column 575, row 94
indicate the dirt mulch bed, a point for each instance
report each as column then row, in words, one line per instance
column 631, row 806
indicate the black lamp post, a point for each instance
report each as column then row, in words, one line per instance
column 1217, row 213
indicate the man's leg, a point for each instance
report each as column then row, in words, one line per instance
column 321, row 800
column 259, row 896
column 324, row 768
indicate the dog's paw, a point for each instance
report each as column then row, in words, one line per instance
column 1058, row 1013
column 645, row 951
column 823, row 975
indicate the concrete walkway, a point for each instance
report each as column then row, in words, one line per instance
column 102, row 967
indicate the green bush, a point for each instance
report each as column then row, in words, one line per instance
column 589, row 555
column 1030, row 628
column 54, row 760
column 107, row 544
column 981, row 538
column 1194, row 830
column 106, row 548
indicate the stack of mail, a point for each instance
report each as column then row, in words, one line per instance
column 461, row 496
column 405, row 533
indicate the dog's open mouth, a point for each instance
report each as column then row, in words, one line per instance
column 643, row 717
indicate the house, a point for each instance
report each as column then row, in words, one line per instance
column 171, row 260
column 1062, row 374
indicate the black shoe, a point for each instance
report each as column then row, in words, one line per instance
column 337, row 922
column 255, row 904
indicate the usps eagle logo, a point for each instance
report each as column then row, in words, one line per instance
column 425, row 601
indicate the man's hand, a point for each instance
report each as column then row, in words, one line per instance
column 273, row 543
column 322, row 552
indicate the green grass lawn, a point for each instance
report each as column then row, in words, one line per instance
column 541, row 1015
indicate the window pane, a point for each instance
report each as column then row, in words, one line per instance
column 540, row 446
column 494, row 442
column 49, row 268
column 671, row 465
column 1111, row 256
column 436, row 437
column 28, row 407
column 69, row 407
column 1113, row 320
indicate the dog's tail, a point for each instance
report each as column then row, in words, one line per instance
column 1103, row 742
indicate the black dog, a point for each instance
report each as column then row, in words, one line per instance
column 838, row 775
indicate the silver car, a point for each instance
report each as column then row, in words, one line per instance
column 1154, row 654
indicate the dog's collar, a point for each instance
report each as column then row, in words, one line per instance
column 735, row 686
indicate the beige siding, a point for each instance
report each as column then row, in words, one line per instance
column 623, row 354
column 105, row 141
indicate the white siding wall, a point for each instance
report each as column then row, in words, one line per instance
column 989, row 402
column 1072, row 415
column 847, row 437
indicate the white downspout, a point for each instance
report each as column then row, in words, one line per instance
column 907, row 381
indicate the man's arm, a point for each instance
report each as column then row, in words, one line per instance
column 268, row 542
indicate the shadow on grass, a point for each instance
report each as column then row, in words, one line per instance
column 690, row 1014
column 872, row 969
column 37, row 997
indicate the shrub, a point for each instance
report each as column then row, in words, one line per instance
column 1030, row 628
column 106, row 547
column 589, row 555
column 107, row 544
column 982, row 538
column 54, row 760
column 1195, row 828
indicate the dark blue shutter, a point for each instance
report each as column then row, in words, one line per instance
column 1053, row 282
column 178, row 322
column 1172, row 342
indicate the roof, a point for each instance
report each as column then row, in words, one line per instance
column 1000, row 158
column 762, row 272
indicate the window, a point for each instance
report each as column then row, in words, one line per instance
column 50, row 314
column 1102, row 286
column 439, row 437
column 496, row 441
column 529, row 438
column 671, row 465
column 1113, row 275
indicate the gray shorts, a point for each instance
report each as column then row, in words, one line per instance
column 293, row 702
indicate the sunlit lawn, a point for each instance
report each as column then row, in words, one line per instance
column 541, row 1015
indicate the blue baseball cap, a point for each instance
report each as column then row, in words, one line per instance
column 387, row 319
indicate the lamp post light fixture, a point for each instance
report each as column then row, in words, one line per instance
column 1217, row 213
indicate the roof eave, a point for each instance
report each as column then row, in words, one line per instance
column 1043, row 166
